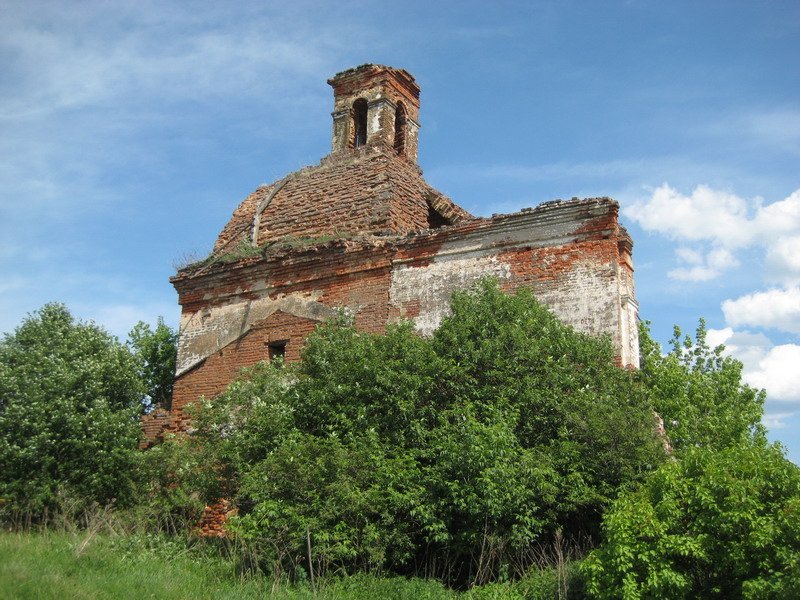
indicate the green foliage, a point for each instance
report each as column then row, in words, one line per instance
column 295, row 242
column 54, row 566
column 238, row 429
column 300, row 458
column 165, row 503
column 699, row 393
column 189, row 260
column 563, row 581
column 446, row 456
column 155, row 352
column 714, row 524
column 572, row 412
column 69, row 401
column 247, row 249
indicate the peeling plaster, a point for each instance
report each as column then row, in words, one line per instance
column 535, row 229
column 374, row 122
column 207, row 331
column 432, row 285
column 583, row 298
column 586, row 296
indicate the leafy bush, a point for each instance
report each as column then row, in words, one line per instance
column 698, row 392
column 714, row 524
column 445, row 457
column 156, row 352
column 582, row 426
column 69, row 401
column 563, row 581
column 164, row 504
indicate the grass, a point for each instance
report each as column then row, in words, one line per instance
column 79, row 565
column 52, row 565
column 295, row 242
column 61, row 565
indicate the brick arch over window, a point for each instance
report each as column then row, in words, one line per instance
column 359, row 126
column 400, row 129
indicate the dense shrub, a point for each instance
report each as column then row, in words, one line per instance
column 164, row 505
column 444, row 457
column 69, row 401
column 715, row 524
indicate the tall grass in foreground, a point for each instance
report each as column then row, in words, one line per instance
column 80, row 564
column 64, row 565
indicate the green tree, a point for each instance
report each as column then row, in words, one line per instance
column 714, row 524
column 69, row 401
column 698, row 391
column 559, row 390
column 155, row 352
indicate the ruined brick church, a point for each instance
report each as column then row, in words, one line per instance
column 362, row 231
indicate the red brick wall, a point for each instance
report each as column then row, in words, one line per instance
column 219, row 369
column 581, row 277
column 214, row 374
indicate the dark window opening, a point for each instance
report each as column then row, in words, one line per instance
column 400, row 129
column 435, row 220
column 277, row 350
column 359, row 123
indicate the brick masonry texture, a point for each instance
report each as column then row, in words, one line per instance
column 364, row 233
column 369, row 190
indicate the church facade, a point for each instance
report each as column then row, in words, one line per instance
column 363, row 232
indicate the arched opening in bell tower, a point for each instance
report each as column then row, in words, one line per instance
column 400, row 129
column 359, row 123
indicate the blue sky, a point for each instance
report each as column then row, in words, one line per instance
column 129, row 131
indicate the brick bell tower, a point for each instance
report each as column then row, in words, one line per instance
column 375, row 107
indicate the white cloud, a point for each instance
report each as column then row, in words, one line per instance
column 778, row 373
column 776, row 308
column 780, row 217
column 715, row 337
column 119, row 319
column 101, row 55
column 689, row 255
column 702, row 267
column 748, row 347
column 778, row 127
column 720, row 223
column 783, row 260
column 693, row 274
column 778, row 420
column 720, row 259
column 766, row 366
column 706, row 214
column 715, row 216
column 85, row 90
